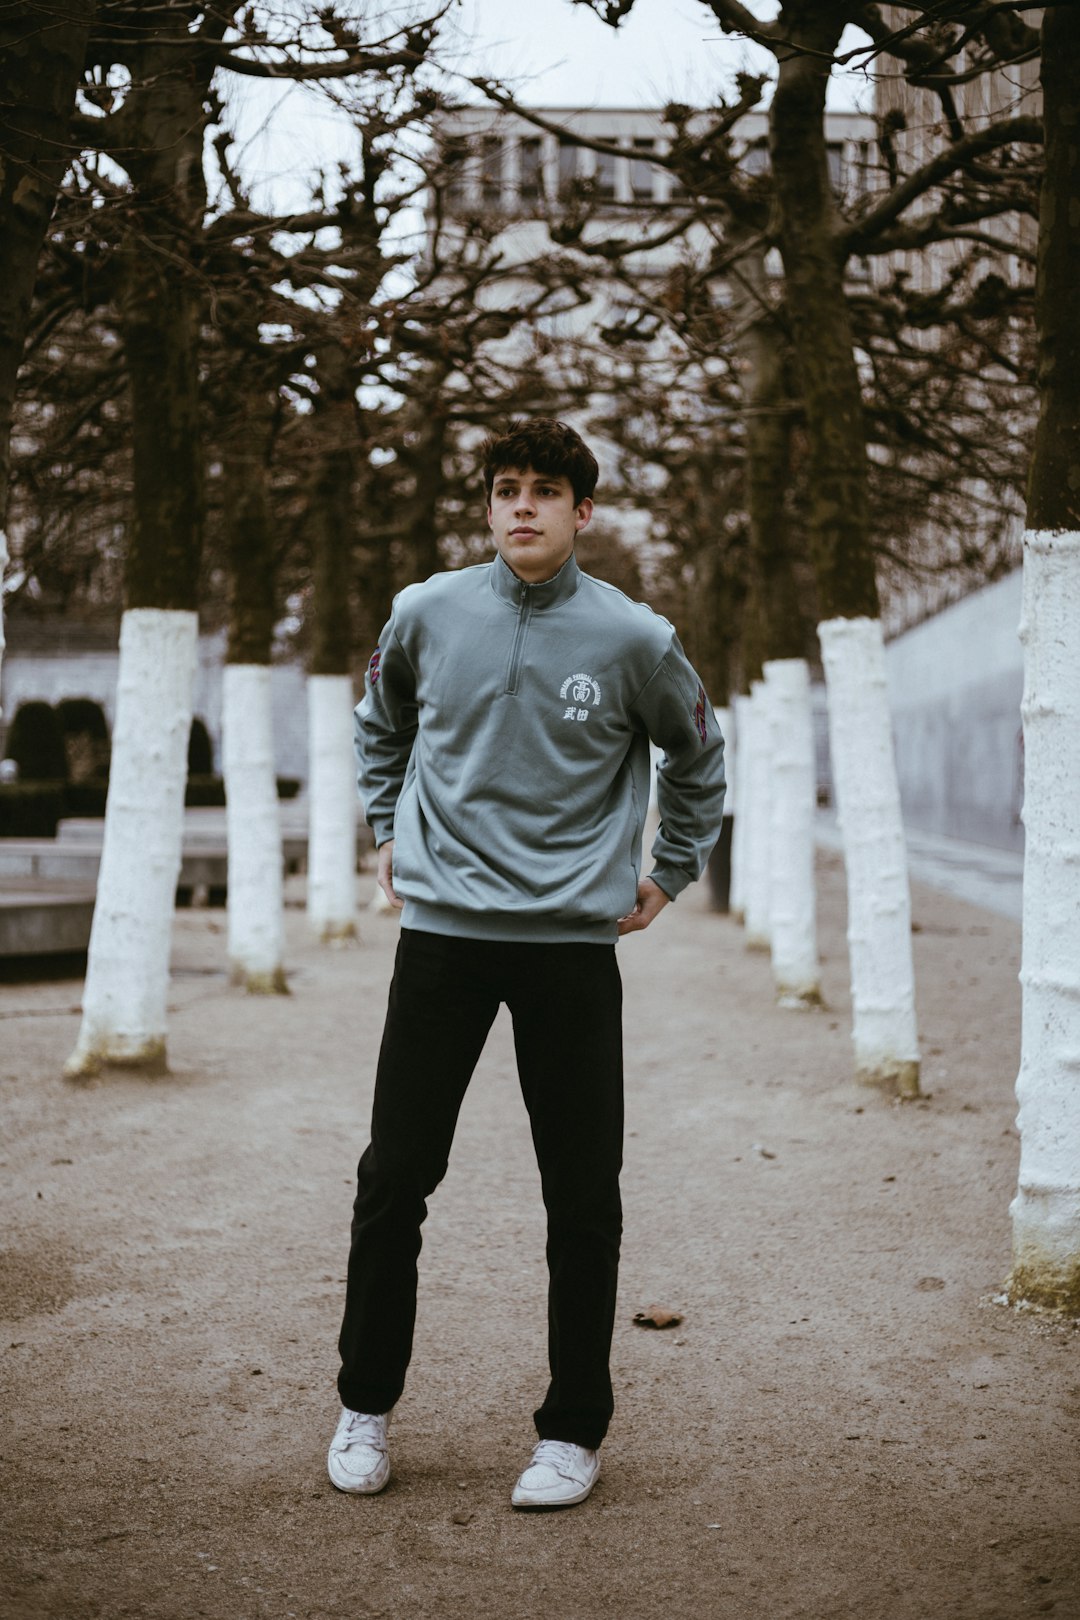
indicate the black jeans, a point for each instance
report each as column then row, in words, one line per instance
column 566, row 1003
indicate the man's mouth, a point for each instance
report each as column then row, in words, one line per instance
column 524, row 530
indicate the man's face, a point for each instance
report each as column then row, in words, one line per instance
column 535, row 521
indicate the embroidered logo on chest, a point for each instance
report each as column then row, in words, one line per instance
column 576, row 692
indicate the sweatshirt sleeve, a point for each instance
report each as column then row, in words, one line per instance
column 385, row 723
column 678, row 717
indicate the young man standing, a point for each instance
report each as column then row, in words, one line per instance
column 503, row 749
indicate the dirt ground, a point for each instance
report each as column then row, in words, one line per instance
column 846, row 1425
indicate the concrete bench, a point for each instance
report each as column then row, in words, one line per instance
column 44, row 860
column 44, row 919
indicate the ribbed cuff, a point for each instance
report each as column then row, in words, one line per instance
column 672, row 879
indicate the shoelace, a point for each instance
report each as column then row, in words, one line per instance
column 362, row 1429
column 557, row 1454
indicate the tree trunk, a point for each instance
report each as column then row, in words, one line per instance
column 875, row 854
column 777, row 624
column 756, row 813
column 777, row 638
column 256, row 914
column 256, row 898
column 159, row 319
column 429, row 483
column 719, row 863
column 737, row 772
column 816, row 302
column 42, row 49
column 161, row 126
column 792, row 906
column 1046, row 1209
column 5, row 558
column 840, row 541
column 331, row 902
column 128, row 961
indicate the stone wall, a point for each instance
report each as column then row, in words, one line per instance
column 955, row 685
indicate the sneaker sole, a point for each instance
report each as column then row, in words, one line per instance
column 359, row 1489
column 553, row 1507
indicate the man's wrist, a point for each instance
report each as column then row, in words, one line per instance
column 669, row 879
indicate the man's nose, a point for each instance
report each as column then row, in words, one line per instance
column 524, row 505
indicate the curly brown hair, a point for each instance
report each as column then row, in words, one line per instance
column 547, row 446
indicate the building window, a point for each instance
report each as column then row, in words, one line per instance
column 642, row 173
column 755, row 160
column 491, row 157
column 455, row 155
column 605, row 172
column 532, row 174
column 836, row 165
column 568, row 165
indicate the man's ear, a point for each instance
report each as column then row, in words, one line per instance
column 491, row 525
column 582, row 513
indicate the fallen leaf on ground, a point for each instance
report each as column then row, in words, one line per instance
column 929, row 1285
column 657, row 1316
column 462, row 1516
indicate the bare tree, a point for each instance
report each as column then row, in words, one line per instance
column 815, row 242
column 41, row 58
column 1046, row 1211
column 154, row 128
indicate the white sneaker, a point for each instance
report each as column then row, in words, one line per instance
column 558, row 1475
column 358, row 1460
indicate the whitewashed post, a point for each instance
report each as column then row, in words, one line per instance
column 127, row 976
column 757, row 815
column 723, row 843
column 875, row 855
column 792, row 900
column 1046, row 1209
column 5, row 558
column 256, row 866
column 331, row 902
column 737, row 789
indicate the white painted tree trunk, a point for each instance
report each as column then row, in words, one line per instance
column 737, row 789
column 724, row 721
column 5, row 558
column 1046, row 1209
column 256, row 886
column 127, row 973
column 792, row 902
column 758, row 817
column 875, row 855
column 332, row 789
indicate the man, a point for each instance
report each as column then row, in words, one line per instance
column 503, row 749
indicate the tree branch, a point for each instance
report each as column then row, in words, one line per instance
column 854, row 238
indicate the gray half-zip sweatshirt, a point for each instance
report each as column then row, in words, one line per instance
column 503, row 744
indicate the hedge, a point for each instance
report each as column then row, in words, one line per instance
column 36, row 743
column 30, row 809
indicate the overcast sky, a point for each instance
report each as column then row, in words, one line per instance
column 551, row 52
column 563, row 55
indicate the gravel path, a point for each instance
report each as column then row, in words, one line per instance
column 845, row 1426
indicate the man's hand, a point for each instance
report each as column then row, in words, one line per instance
column 651, row 901
column 386, row 874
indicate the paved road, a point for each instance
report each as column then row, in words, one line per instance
column 845, row 1426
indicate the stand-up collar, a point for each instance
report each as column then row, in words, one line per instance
column 548, row 593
